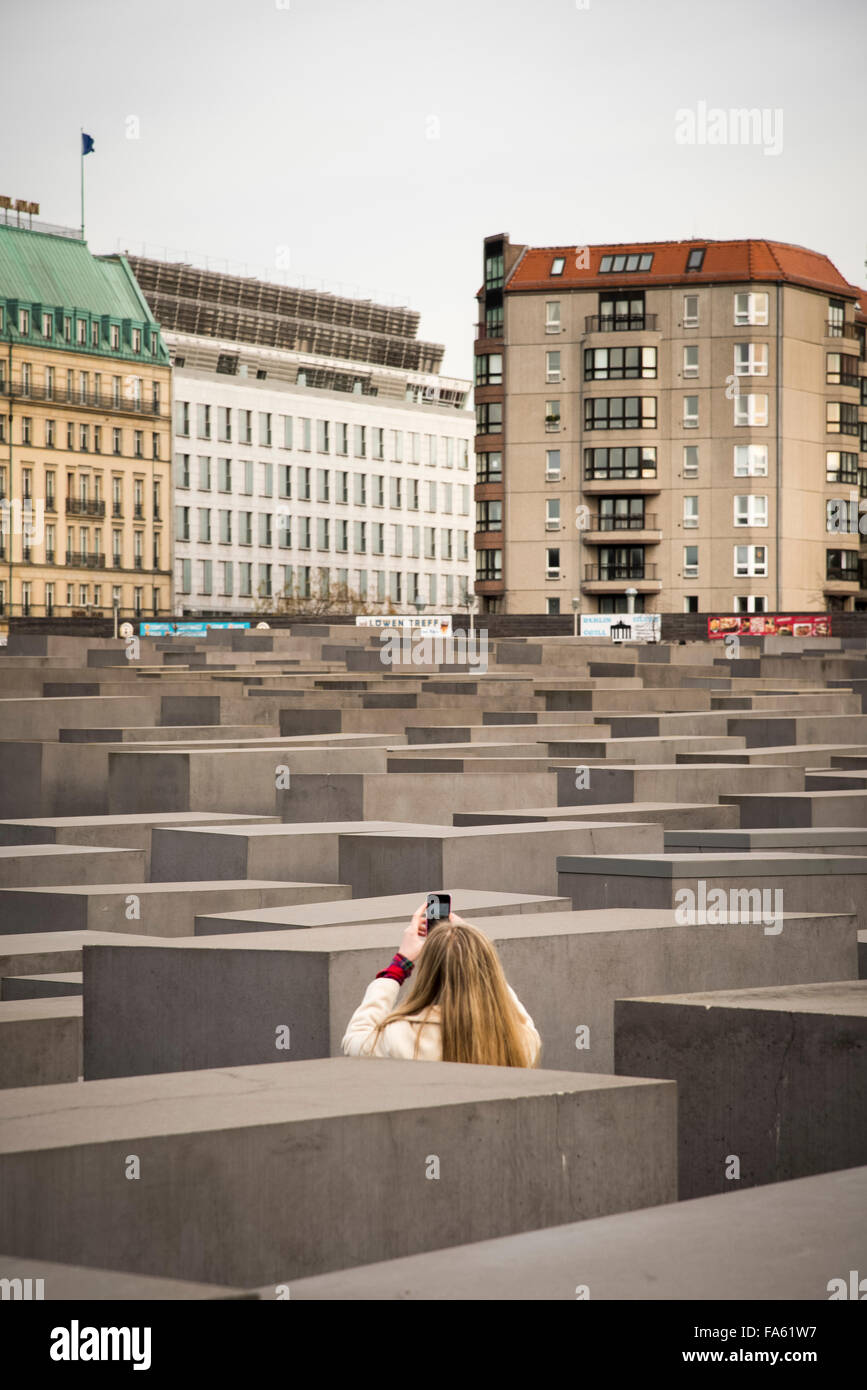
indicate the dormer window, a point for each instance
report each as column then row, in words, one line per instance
column 558, row 265
column 636, row 261
column 695, row 258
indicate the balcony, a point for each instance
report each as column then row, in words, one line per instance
column 613, row 579
column 87, row 400
column 489, row 330
column 85, row 559
column 620, row 323
column 138, row 562
column 617, row 485
column 116, row 509
column 79, row 506
column 840, row 330
column 642, row 530
column 138, row 511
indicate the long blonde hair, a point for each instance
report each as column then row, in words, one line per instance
column 460, row 971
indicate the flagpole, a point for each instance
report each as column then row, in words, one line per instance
column 81, row 157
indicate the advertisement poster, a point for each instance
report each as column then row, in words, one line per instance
column 770, row 625
column 643, row 627
column 191, row 629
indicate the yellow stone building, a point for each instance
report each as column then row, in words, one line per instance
column 85, row 434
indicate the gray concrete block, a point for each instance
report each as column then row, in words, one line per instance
column 669, row 814
column 783, row 1243
column 276, row 851
column 26, row 866
column 513, row 858
column 40, row 1042
column 674, row 782
column 41, row 986
column 774, row 1077
column 799, row 808
column 518, row 1149
column 423, row 797
column 396, row 907
column 75, row 1283
column 220, row 1001
column 792, row 881
column 840, row 840
column 153, row 909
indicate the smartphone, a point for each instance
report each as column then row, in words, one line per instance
column 439, row 905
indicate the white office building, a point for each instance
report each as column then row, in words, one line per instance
column 319, row 457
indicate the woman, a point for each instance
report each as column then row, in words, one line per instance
column 460, row 1007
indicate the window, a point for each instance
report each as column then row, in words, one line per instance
column 690, row 511
column 552, row 316
column 431, row 446
column 749, row 603
column 412, row 494
column 841, row 418
column 47, row 326
column 341, row 445
column 489, row 516
column 552, row 514
column 621, row 514
column 267, row 476
column 287, row 431
column 360, row 441
column 378, row 490
column 690, row 603
column 27, row 429
column 224, row 475
column 396, row 445
column 751, row 308
column 751, row 410
column 695, row 258
column 750, row 560
column 841, row 369
column 360, row 489
column 489, row 420
column 359, row 534
column 185, row 576
column 552, row 415
column 341, row 541
column 323, row 485
column 489, row 467
column 265, row 581
column 690, row 412
column 431, row 504
column 690, row 360
column 284, row 531
column 245, row 528
column 751, row 461
column 489, row 369
column 245, row 579
column 690, row 562
column 265, row 439
column 842, row 565
column 494, row 271
column 620, row 413
column 225, row 528
column 182, row 470
column 396, row 498
column 430, row 543
column 489, row 566
column 284, row 480
column 552, row 562
column 836, row 318
column 552, row 366
column 204, row 421
column 224, row 424
column 182, row 523
column 114, row 334
column 377, row 541
column 266, row 535
column 206, row 582
column 341, row 493
column 690, row 460
column 204, row 524
column 841, row 467
column 557, row 265
column 84, row 438
column 617, row 264
column 136, row 339
column 751, row 359
column 619, row 364
column 226, row 581
column 632, row 462
column 690, row 311
column 751, row 511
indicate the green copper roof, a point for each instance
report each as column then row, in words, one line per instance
column 61, row 272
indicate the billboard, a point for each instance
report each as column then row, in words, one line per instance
column 770, row 625
column 641, row 627
column 191, row 629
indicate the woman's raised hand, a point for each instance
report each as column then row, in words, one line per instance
column 414, row 937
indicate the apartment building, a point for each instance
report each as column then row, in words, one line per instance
column 85, row 433
column 686, row 421
column 319, row 456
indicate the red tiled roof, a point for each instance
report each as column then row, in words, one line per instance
column 724, row 261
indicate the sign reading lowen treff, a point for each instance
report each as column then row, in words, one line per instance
column 429, row 622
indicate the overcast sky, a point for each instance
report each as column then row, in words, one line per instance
column 372, row 144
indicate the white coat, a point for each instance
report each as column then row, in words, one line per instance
column 398, row 1039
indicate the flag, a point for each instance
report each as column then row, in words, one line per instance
column 87, row 145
